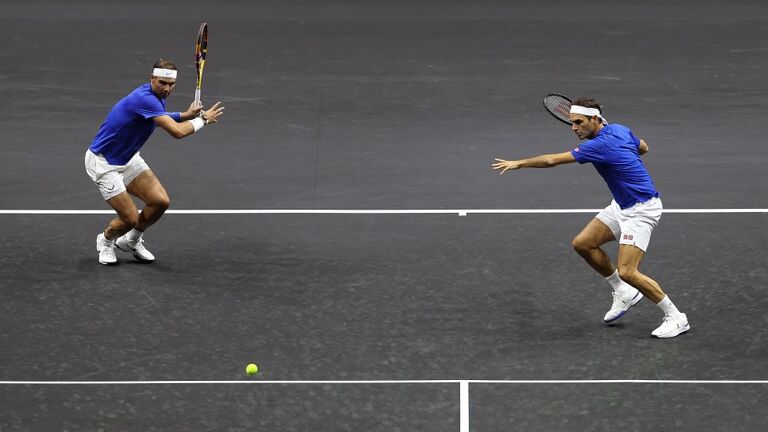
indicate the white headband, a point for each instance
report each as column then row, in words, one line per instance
column 164, row 73
column 589, row 112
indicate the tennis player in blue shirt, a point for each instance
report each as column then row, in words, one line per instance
column 114, row 163
column 630, row 218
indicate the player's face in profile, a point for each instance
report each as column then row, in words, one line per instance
column 162, row 87
column 585, row 127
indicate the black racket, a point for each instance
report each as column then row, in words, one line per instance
column 559, row 106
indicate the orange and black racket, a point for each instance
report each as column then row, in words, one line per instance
column 201, row 49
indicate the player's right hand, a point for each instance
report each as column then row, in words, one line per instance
column 195, row 108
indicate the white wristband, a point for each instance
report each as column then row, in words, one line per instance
column 197, row 123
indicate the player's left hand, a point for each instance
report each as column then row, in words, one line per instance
column 212, row 114
column 505, row 165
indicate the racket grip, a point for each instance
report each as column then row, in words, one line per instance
column 197, row 96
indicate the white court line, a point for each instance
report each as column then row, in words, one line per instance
column 464, row 406
column 463, row 385
column 460, row 212
column 254, row 381
column 257, row 381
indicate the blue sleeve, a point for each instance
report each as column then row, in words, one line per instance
column 150, row 108
column 175, row 115
column 590, row 151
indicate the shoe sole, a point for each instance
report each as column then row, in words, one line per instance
column 107, row 263
column 635, row 300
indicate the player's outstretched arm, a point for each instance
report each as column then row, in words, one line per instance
column 186, row 128
column 543, row 161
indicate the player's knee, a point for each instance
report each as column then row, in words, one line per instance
column 160, row 203
column 130, row 220
column 629, row 275
column 163, row 203
column 581, row 245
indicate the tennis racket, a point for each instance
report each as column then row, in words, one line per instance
column 201, row 49
column 559, row 106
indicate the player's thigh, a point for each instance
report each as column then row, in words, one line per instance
column 594, row 234
column 629, row 258
column 147, row 187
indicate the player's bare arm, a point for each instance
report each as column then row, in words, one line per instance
column 542, row 161
column 643, row 149
column 186, row 128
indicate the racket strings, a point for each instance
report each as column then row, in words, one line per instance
column 559, row 106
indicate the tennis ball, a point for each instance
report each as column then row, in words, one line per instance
column 251, row 369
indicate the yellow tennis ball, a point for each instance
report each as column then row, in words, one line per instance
column 251, row 369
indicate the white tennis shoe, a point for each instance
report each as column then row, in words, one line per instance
column 621, row 304
column 106, row 250
column 136, row 248
column 672, row 326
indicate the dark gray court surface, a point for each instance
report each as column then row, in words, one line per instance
column 382, row 105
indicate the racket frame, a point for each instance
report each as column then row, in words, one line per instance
column 201, row 50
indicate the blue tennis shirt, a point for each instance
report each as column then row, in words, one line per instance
column 614, row 153
column 128, row 125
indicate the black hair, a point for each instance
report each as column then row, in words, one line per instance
column 165, row 64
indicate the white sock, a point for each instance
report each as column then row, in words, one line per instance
column 106, row 240
column 133, row 235
column 668, row 307
column 618, row 285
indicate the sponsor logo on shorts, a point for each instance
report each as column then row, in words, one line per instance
column 628, row 237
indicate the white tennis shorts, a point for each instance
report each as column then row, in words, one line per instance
column 112, row 179
column 633, row 225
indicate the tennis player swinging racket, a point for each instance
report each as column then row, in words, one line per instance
column 630, row 218
column 115, row 165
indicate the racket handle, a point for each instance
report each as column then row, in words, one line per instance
column 197, row 96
